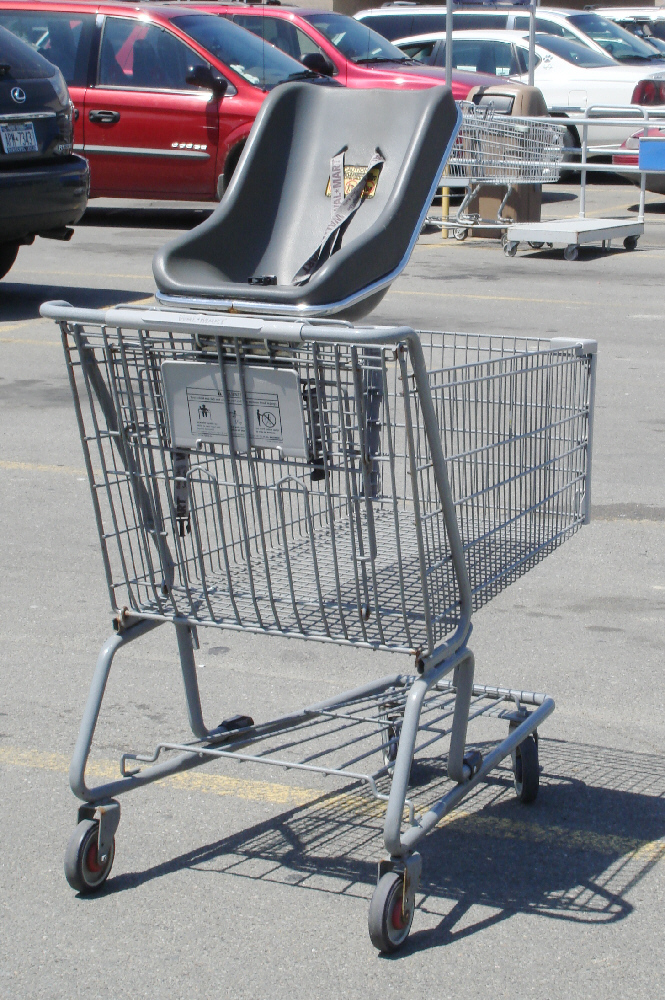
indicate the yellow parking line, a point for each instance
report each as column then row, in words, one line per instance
column 79, row 274
column 69, row 470
column 476, row 823
column 106, row 770
column 26, row 340
column 494, row 298
column 6, row 327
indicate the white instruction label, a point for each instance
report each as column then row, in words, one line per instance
column 197, row 407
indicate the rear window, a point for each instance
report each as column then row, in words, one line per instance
column 63, row 39
column 420, row 51
column 20, row 62
column 573, row 52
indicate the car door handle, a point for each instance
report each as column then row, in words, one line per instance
column 105, row 117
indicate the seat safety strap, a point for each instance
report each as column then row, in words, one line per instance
column 342, row 211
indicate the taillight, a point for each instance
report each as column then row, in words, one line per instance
column 66, row 130
column 649, row 92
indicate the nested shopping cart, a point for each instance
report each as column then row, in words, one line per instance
column 496, row 149
column 359, row 486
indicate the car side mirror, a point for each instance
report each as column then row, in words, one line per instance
column 319, row 63
column 207, row 79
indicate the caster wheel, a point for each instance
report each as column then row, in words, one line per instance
column 527, row 771
column 460, row 234
column 83, row 869
column 391, row 718
column 571, row 252
column 509, row 249
column 388, row 926
column 391, row 742
column 630, row 242
column 536, row 246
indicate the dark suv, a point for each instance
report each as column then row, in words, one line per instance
column 43, row 186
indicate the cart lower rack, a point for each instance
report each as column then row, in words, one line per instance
column 359, row 486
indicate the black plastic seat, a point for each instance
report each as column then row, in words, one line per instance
column 277, row 206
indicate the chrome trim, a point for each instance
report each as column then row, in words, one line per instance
column 28, row 115
column 187, row 154
column 302, row 309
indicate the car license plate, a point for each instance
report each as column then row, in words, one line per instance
column 19, row 138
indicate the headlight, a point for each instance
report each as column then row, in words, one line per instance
column 60, row 88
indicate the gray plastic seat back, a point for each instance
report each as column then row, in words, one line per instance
column 277, row 206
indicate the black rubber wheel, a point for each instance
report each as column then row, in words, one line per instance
column 509, row 249
column 630, row 242
column 536, row 246
column 571, row 140
column 571, row 252
column 83, row 870
column 388, row 926
column 527, row 771
column 8, row 252
column 460, row 234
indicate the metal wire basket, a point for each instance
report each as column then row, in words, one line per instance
column 341, row 536
column 499, row 149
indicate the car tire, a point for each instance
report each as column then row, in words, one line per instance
column 8, row 252
column 231, row 163
column 571, row 140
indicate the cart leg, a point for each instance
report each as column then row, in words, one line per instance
column 190, row 681
column 94, row 703
column 463, row 681
column 407, row 741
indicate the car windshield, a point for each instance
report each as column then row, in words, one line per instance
column 573, row 52
column 617, row 42
column 354, row 39
column 20, row 62
column 256, row 61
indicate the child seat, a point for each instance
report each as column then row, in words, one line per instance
column 276, row 214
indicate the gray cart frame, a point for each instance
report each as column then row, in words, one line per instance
column 515, row 416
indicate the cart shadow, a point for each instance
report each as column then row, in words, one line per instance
column 552, row 197
column 650, row 207
column 21, row 300
column 586, row 253
column 575, row 855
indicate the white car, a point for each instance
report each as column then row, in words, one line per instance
column 571, row 76
column 586, row 26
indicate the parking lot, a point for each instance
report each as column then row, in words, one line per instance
column 234, row 882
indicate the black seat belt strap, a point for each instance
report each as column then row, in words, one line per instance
column 342, row 211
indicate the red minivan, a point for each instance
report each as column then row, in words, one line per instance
column 164, row 96
column 355, row 54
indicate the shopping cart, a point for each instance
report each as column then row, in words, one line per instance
column 362, row 486
column 503, row 151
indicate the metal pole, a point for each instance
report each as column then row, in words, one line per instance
column 449, row 42
column 445, row 191
column 532, row 41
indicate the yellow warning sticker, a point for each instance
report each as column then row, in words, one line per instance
column 352, row 175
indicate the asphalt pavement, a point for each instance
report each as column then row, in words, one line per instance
column 238, row 884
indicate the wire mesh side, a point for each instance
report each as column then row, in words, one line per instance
column 515, row 430
column 499, row 149
column 336, row 546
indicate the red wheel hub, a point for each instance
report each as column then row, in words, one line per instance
column 92, row 858
column 397, row 916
